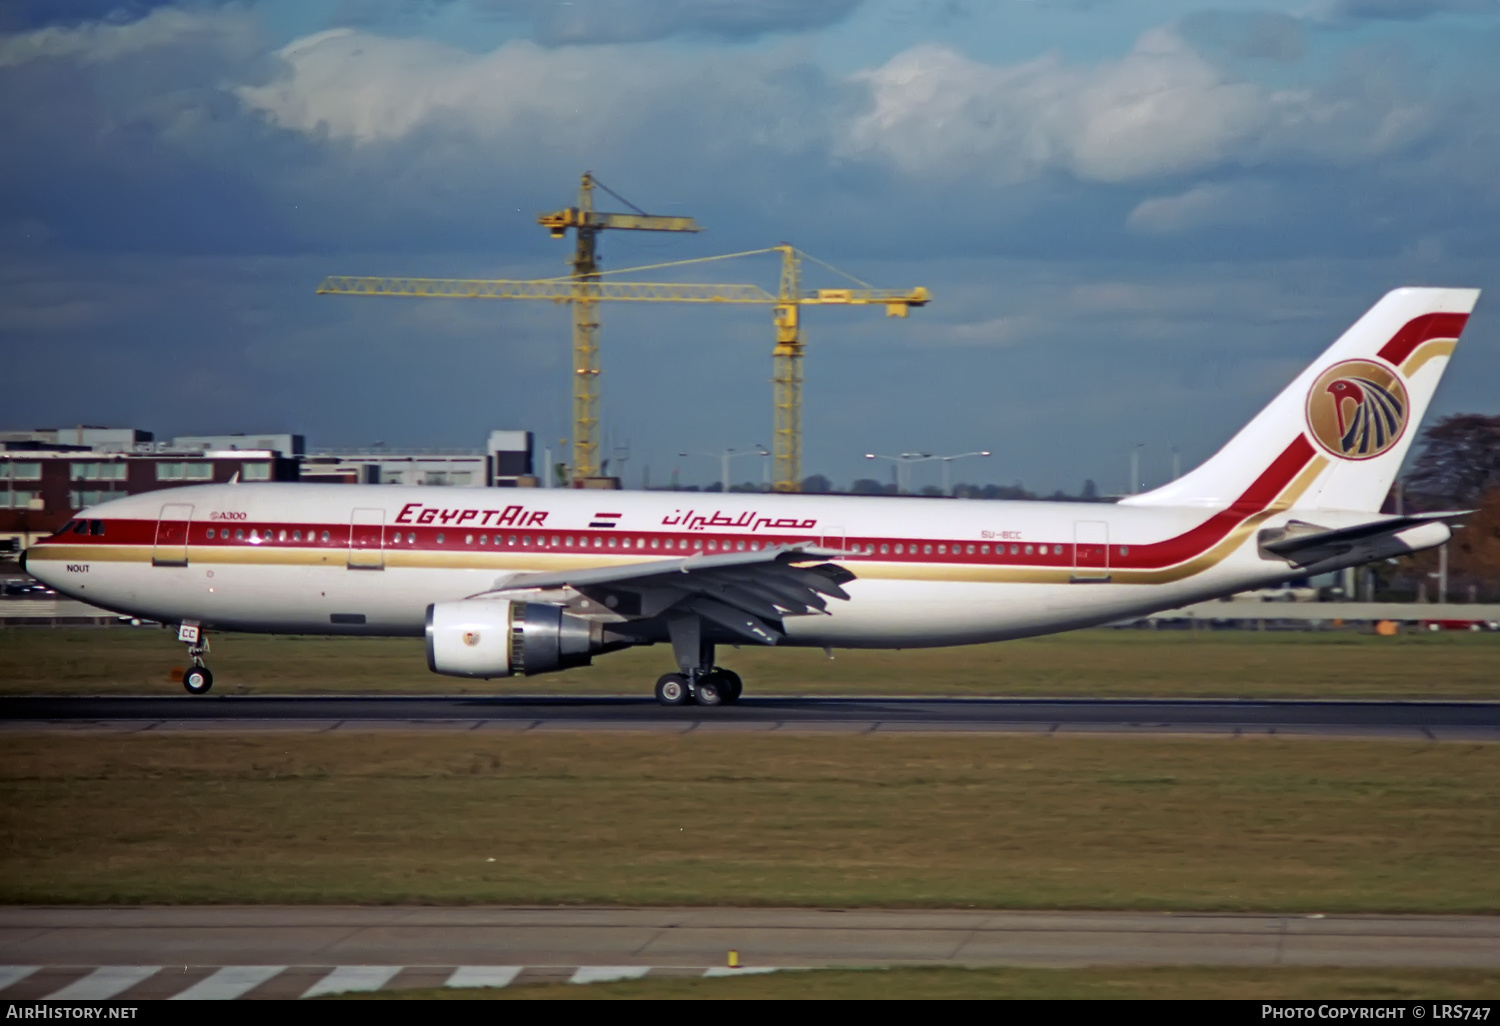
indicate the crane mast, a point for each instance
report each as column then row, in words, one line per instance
column 586, row 287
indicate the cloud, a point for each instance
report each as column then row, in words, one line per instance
column 1161, row 110
column 593, row 22
column 638, row 21
column 1210, row 205
column 21, row 15
column 1254, row 35
column 224, row 34
column 1401, row 10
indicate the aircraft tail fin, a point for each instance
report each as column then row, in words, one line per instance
column 1336, row 436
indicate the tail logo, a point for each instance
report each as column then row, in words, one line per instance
column 1357, row 409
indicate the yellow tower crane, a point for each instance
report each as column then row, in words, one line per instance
column 586, row 224
column 584, row 290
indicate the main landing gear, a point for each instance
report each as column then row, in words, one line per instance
column 698, row 680
column 197, row 679
column 718, row 686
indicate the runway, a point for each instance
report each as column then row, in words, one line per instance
column 270, row 951
column 1434, row 721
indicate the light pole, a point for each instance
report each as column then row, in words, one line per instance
column 728, row 454
column 1135, row 468
column 949, row 459
column 904, row 461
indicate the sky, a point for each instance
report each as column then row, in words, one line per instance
column 1138, row 219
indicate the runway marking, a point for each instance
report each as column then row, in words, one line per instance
column 484, row 976
column 348, row 978
column 608, row 973
column 13, row 974
column 105, row 982
column 228, row 983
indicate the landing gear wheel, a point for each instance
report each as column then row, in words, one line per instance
column 672, row 689
column 711, row 689
column 733, row 686
column 198, row 680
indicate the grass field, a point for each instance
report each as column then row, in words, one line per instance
column 1099, row 662
column 700, row 819
column 1218, row 984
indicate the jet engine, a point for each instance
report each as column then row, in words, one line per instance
column 500, row 638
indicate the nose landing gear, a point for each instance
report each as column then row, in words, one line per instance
column 197, row 679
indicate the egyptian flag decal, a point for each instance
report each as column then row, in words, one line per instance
column 605, row 520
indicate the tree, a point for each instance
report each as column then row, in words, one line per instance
column 867, row 486
column 1090, row 491
column 817, row 484
column 1460, row 461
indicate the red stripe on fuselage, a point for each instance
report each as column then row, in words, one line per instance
column 1422, row 329
column 1261, row 493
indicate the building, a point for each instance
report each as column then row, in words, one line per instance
column 41, row 489
column 84, row 436
column 283, row 444
column 506, row 462
column 46, row 475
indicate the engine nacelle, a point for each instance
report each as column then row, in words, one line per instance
column 500, row 638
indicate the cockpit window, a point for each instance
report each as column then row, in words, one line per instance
column 96, row 528
column 80, row 527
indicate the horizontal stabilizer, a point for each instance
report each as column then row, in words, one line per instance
column 1315, row 549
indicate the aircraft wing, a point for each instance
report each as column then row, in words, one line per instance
column 1317, row 548
column 746, row 593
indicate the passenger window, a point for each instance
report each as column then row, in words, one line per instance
column 656, row 543
column 697, row 543
column 984, row 550
column 554, row 541
column 281, row 536
column 210, row 534
column 440, row 539
column 511, row 541
column 297, row 536
column 239, row 534
column 613, row 542
column 525, row 539
column 884, row 548
column 1014, row 549
column 484, row 539
column 942, row 550
column 899, row 549
column 1028, row 550
column 927, row 550
column 327, row 536
column 567, row 542
column 970, row 551
column 712, row 545
column 1124, row 550
column 468, row 539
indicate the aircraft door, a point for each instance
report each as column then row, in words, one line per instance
column 1090, row 550
column 366, row 539
column 834, row 537
column 172, row 535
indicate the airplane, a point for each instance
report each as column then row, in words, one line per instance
column 519, row 582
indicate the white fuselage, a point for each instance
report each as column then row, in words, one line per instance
column 348, row 559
